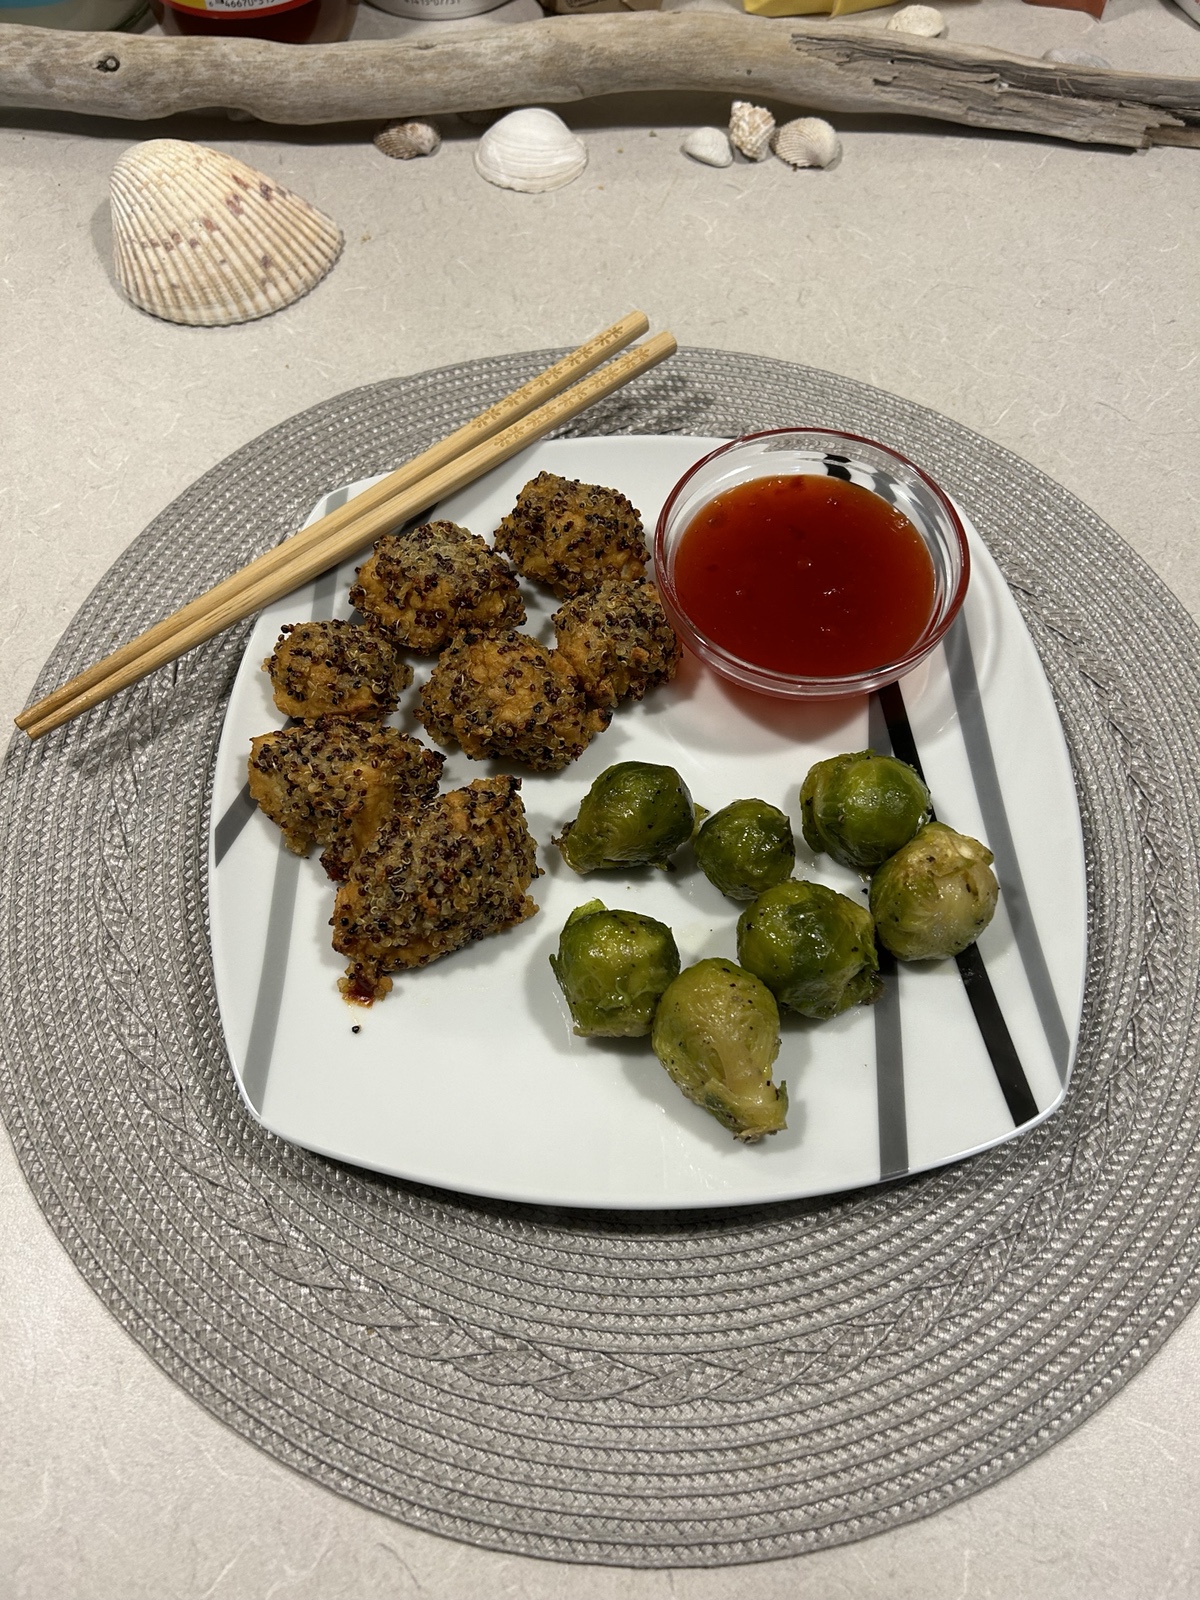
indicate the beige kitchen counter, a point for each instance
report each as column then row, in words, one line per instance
column 1044, row 295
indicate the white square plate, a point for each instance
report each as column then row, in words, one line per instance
column 468, row 1076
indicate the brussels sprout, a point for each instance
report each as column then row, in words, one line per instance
column 935, row 896
column 812, row 947
column 636, row 814
column 613, row 966
column 716, row 1031
column 861, row 808
column 746, row 847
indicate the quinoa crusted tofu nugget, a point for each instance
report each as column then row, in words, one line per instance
column 571, row 535
column 432, row 881
column 331, row 783
column 619, row 640
column 428, row 583
column 505, row 696
column 335, row 668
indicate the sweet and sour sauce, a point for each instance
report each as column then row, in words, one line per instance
column 805, row 574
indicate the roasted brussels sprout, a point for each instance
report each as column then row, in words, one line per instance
column 812, row 947
column 746, row 847
column 935, row 896
column 613, row 966
column 861, row 808
column 716, row 1031
column 636, row 814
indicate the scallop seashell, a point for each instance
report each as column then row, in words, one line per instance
column 710, row 145
column 201, row 238
column 404, row 140
column 807, row 142
column 530, row 150
column 750, row 129
column 1070, row 56
column 925, row 21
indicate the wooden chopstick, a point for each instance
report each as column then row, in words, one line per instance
column 489, row 422
column 354, row 526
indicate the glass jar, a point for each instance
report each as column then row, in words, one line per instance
column 284, row 21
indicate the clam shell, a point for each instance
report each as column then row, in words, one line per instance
column 925, row 21
column 531, row 150
column 750, row 129
column 404, row 140
column 807, row 142
column 203, row 239
column 1071, row 56
column 710, row 145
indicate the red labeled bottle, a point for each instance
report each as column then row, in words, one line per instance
column 284, row 21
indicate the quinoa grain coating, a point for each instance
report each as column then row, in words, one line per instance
column 571, row 535
column 428, row 583
column 619, row 640
column 505, row 696
column 332, row 782
column 335, row 668
column 433, row 880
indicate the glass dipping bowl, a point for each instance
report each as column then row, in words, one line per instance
column 820, row 452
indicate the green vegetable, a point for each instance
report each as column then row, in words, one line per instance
column 935, row 896
column 812, row 947
column 861, row 808
column 613, row 966
column 635, row 814
column 746, row 847
column 716, row 1032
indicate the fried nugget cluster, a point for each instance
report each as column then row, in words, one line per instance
column 426, row 584
column 618, row 639
column 334, row 668
column 432, row 881
column 571, row 536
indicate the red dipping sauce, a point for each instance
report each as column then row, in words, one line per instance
column 806, row 575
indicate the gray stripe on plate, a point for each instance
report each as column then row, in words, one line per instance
column 889, row 1037
column 964, row 682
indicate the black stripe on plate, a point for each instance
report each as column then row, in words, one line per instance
column 889, row 1038
column 232, row 823
column 993, row 1029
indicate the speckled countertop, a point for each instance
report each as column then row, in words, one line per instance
column 1046, row 296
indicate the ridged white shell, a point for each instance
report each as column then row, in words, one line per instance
column 201, row 238
column 925, row 21
column 404, row 140
column 530, row 150
column 750, row 129
column 710, row 145
column 807, row 142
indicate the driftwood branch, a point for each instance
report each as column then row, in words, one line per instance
column 820, row 67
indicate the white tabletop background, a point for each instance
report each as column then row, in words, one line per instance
column 1046, row 295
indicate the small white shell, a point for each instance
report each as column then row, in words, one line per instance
column 531, row 150
column 807, row 142
column 1070, row 56
column 750, row 130
column 404, row 140
column 203, row 239
column 710, row 145
column 925, row 21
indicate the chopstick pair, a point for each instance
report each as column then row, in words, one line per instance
column 481, row 444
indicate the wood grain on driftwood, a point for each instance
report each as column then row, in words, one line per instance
column 817, row 66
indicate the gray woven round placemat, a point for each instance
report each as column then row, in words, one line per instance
column 645, row 1390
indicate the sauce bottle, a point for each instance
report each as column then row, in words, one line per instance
column 284, row 21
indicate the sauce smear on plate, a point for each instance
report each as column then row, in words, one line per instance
column 805, row 574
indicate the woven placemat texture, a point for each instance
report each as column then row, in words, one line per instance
column 648, row 1390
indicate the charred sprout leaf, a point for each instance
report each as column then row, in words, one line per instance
column 861, row 808
column 812, row 947
column 746, row 847
column 935, row 896
column 613, row 966
column 716, row 1032
column 636, row 814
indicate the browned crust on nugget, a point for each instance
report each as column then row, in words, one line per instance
column 434, row 880
column 426, row 584
column 619, row 640
column 506, row 697
column 335, row 668
column 571, row 535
